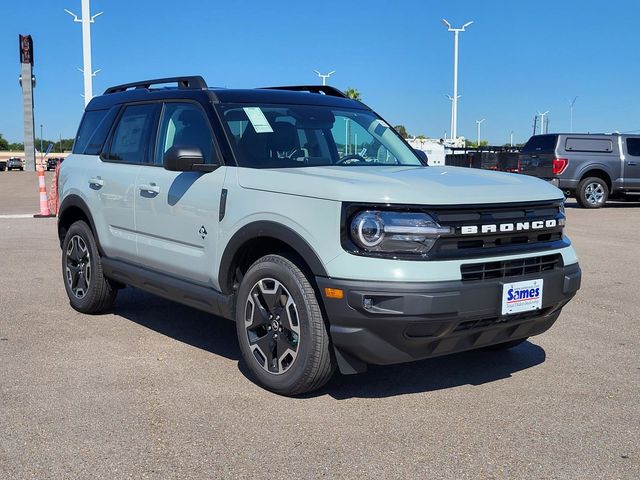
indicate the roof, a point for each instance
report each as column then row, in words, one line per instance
column 196, row 88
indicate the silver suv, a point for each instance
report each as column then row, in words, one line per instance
column 303, row 217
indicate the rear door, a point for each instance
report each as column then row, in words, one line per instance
column 631, row 166
column 177, row 212
column 111, row 179
column 536, row 157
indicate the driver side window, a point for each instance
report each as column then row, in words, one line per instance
column 351, row 139
column 184, row 124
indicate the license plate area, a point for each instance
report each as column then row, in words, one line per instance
column 518, row 297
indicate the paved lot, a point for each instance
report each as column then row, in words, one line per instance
column 156, row 390
column 19, row 192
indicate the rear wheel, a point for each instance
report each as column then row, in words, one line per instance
column 87, row 288
column 592, row 192
column 281, row 331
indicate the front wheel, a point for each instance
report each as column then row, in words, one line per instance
column 592, row 192
column 281, row 331
column 89, row 291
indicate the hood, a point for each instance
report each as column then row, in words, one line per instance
column 402, row 185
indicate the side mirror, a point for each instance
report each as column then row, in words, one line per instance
column 184, row 158
column 421, row 155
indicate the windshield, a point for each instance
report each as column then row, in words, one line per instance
column 282, row 136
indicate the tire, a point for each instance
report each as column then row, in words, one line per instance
column 592, row 192
column 281, row 330
column 506, row 345
column 86, row 286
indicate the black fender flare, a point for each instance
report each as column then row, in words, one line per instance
column 75, row 201
column 268, row 229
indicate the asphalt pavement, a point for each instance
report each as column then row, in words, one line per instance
column 157, row 390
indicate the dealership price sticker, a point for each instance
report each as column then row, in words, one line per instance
column 522, row 296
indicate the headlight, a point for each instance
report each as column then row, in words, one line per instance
column 395, row 232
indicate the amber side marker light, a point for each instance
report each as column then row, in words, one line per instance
column 334, row 293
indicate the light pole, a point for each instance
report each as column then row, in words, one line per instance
column 41, row 151
column 451, row 100
column 86, row 20
column 346, row 136
column 542, row 132
column 324, row 76
column 571, row 104
column 454, row 109
column 511, row 138
column 478, row 122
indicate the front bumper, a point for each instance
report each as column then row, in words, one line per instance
column 393, row 322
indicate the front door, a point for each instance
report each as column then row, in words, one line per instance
column 177, row 212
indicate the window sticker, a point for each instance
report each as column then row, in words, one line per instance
column 258, row 120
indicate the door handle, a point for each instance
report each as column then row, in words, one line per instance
column 149, row 188
column 96, row 182
column 632, row 164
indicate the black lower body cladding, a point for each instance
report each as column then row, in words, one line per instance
column 394, row 322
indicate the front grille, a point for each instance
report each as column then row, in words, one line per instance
column 492, row 321
column 519, row 238
column 510, row 268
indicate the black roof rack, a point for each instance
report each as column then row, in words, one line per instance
column 323, row 89
column 195, row 82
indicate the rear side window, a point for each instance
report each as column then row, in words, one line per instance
column 633, row 147
column 131, row 139
column 90, row 122
column 541, row 144
column 593, row 145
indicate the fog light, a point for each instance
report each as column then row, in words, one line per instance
column 367, row 303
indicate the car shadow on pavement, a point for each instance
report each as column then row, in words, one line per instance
column 571, row 203
column 185, row 324
column 218, row 336
column 469, row 368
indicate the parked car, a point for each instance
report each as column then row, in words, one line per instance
column 3, row 165
column 591, row 167
column 15, row 163
column 52, row 162
column 256, row 206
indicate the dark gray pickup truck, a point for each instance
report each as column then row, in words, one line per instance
column 591, row 167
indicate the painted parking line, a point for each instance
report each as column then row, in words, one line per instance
column 18, row 215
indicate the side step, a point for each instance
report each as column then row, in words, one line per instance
column 181, row 291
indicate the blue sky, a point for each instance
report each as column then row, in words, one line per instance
column 517, row 58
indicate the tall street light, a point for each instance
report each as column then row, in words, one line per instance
column 542, row 132
column 478, row 122
column 451, row 100
column 454, row 109
column 324, row 76
column 571, row 104
column 86, row 21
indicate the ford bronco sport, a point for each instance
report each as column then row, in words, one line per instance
column 302, row 216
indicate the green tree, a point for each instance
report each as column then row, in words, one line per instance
column 16, row 147
column 402, row 131
column 352, row 93
column 483, row 143
column 4, row 144
column 421, row 137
